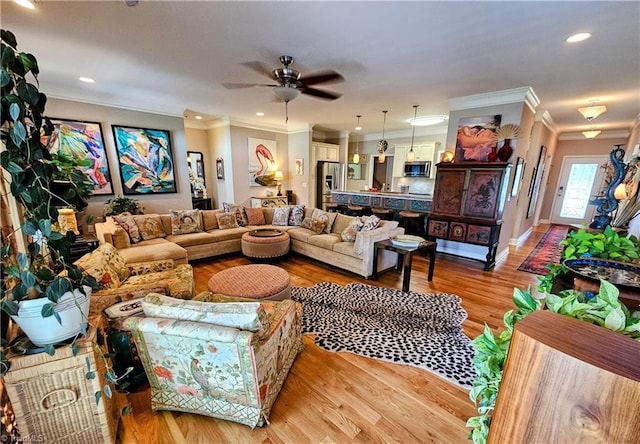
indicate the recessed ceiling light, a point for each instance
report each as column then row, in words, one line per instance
column 427, row 120
column 260, row 114
column 25, row 4
column 579, row 37
column 86, row 79
column 198, row 117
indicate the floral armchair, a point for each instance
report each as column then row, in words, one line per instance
column 119, row 281
column 227, row 360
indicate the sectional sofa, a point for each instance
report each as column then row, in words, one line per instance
column 212, row 236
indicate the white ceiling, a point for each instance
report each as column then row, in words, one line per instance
column 170, row 56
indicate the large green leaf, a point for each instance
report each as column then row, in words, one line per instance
column 615, row 320
column 18, row 133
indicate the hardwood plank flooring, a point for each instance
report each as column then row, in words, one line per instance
column 344, row 398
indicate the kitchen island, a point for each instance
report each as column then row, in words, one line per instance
column 420, row 203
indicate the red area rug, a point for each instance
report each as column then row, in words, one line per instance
column 547, row 251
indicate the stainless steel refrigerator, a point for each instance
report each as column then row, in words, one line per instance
column 329, row 177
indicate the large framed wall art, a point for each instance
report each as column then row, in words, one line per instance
column 83, row 140
column 262, row 164
column 476, row 138
column 145, row 159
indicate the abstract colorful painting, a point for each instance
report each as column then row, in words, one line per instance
column 83, row 140
column 262, row 164
column 475, row 138
column 146, row 161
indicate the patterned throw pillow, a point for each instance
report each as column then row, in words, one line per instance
column 349, row 233
column 370, row 223
column 127, row 223
column 226, row 221
column 185, row 221
column 281, row 216
column 296, row 215
column 329, row 217
column 150, row 226
column 115, row 260
column 319, row 224
column 238, row 211
column 255, row 216
column 306, row 223
column 97, row 265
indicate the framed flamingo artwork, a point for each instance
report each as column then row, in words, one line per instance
column 262, row 164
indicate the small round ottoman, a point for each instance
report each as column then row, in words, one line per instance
column 260, row 246
column 256, row 281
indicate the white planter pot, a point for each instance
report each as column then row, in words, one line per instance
column 73, row 309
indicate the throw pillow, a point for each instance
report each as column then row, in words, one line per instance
column 96, row 265
column 255, row 216
column 226, row 221
column 349, row 233
column 185, row 221
column 150, row 226
column 319, row 224
column 306, row 223
column 127, row 223
column 296, row 215
column 370, row 223
column 330, row 218
column 238, row 210
column 281, row 216
column 115, row 260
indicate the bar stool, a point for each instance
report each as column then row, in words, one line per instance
column 412, row 222
column 383, row 213
column 332, row 207
column 355, row 210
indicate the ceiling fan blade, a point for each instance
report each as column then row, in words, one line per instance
column 321, row 94
column 244, row 85
column 260, row 67
column 322, row 77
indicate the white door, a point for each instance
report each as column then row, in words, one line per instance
column 580, row 181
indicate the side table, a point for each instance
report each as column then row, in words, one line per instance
column 405, row 255
column 82, row 246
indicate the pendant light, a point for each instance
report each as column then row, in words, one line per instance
column 383, row 144
column 356, row 156
column 411, row 155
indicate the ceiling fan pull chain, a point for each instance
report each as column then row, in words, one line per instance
column 286, row 112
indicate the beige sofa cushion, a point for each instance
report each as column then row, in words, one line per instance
column 209, row 219
column 324, row 240
column 153, row 250
column 342, row 221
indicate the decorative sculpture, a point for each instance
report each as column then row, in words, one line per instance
column 608, row 204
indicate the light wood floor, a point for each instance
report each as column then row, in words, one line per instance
column 344, row 398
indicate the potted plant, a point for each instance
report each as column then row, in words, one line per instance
column 121, row 204
column 604, row 309
column 42, row 274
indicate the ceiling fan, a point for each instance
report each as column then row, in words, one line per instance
column 290, row 82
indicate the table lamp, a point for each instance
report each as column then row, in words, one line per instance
column 278, row 176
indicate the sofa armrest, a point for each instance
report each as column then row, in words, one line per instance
column 141, row 268
column 110, row 233
column 369, row 239
column 187, row 329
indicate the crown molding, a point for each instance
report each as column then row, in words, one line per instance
column 111, row 105
column 547, row 121
column 613, row 134
column 515, row 95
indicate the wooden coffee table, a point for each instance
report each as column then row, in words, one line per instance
column 405, row 255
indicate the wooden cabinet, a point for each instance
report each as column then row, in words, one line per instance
column 326, row 151
column 468, row 201
column 200, row 203
column 268, row 202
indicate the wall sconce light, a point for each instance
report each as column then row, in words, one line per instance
column 591, row 133
column 593, row 111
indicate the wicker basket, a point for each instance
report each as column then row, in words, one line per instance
column 53, row 400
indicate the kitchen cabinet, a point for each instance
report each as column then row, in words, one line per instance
column 399, row 157
column 326, row 151
column 468, row 201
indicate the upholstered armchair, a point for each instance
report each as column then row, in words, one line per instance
column 225, row 360
column 119, row 281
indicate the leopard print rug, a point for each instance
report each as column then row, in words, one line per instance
column 422, row 330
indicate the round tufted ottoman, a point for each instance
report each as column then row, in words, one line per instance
column 256, row 281
column 256, row 244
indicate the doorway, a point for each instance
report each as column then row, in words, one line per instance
column 382, row 172
column 580, row 180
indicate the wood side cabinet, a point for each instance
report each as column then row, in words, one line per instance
column 468, row 200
